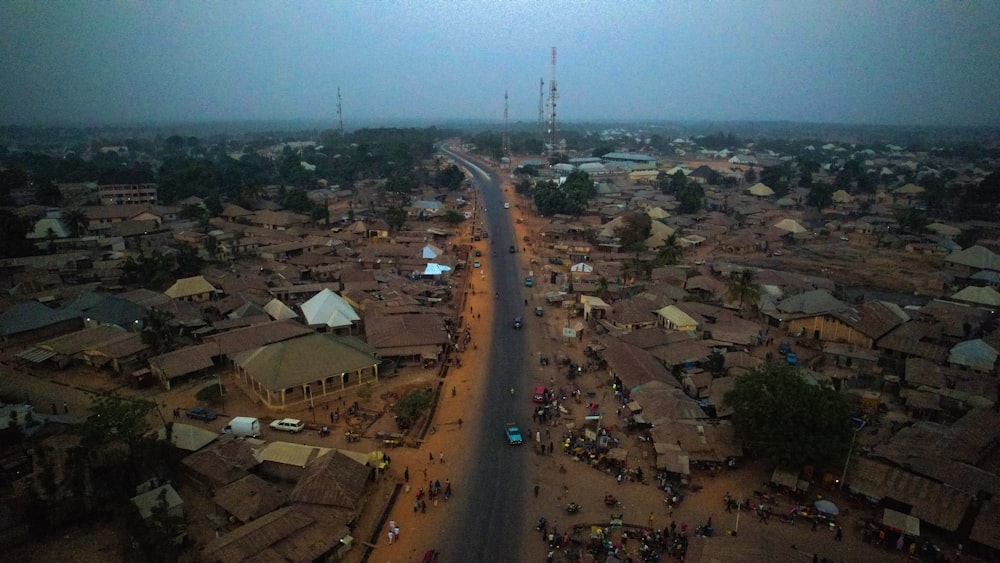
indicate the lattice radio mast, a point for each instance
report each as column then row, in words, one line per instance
column 553, row 98
column 541, row 108
column 506, row 129
column 340, row 111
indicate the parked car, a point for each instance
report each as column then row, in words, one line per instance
column 292, row 425
column 784, row 347
column 201, row 413
column 539, row 311
column 506, row 205
column 528, row 282
column 479, row 253
column 513, row 433
column 476, row 264
column 539, row 395
column 518, row 323
column 792, row 359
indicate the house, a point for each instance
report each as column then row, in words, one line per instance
column 196, row 289
column 328, row 309
column 31, row 321
column 229, row 460
column 278, row 220
column 975, row 355
column 673, row 318
column 334, row 479
column 407, row 336
column 146, row 503
column 249, row 498
column 307, row 368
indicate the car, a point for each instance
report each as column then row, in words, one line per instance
column 784, row 347
column 512, row 249
column 518, row 323
column 201, row 413
column 513, row 433
column 477, row 238
column 844, row 238
column 486, row 234
column 556, row 261
column 479, row 253
column 476, row 264
column 539, row 395
column 528, row 282
column 506, row 205
column 792, row 359
column 777, row 253
column 292, row 425
column 539, row 311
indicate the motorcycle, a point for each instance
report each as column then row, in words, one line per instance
column 572, row 508
column 542, row 524
column 610, row 500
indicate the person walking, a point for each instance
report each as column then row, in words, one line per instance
column 65, row 408
column 650, row 519
column 536, row 491
column 406, row 475
column 840, row 534
column 441, row 457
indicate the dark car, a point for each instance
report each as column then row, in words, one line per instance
column 517, row 322
column 512, row 249
column 201, row 413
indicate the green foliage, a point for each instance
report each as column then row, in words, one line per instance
column 634, row 230
column 158, row 535
column 210, row 393
column 414, row 403
column 820, row 196
column 570, row 198
column 750, row 176
column 13, row 230
column 912, row 220
column 453, row 216
column 395, row 217
column 450, row 178
column 523, row 186
column 778, row 415
column 670, row 253
column 158, row 331
column 153, row 271
column 716, row 363
column 743, row 287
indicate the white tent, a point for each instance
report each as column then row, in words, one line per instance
column 430, row 251
column 328, row 308
column 433, row 269
column 790, row 225
column 581, row 267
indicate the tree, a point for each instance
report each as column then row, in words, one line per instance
column 158, row 331
column 414, row 403
column 670, row 253
column 152, row 271
column 750, row 176
column 777, row 414
column 119, row 419
column 395, row 217
column 450, row 178
column 453, row 216
column 820, row 196
column 634, row 230
column 14, row 230
column 743, row 287
column 76, row 221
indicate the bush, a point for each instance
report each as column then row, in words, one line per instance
column 211, row 393
column 414, row 403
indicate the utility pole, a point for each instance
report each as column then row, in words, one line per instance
column 541, row 109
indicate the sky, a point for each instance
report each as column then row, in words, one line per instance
column 897, row 62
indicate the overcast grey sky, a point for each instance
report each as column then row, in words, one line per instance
column 895, row 62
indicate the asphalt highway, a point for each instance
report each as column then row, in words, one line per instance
column 488, row 522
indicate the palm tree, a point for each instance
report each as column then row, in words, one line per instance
column 743, row 287
column 76, row 221
column 670, row 253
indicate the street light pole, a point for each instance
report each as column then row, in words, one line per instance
column 861, row 424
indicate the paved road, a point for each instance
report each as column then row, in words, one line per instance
column 488, row 523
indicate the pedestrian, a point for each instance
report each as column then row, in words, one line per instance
column 673, row 527
column 423, row 507
column 54, row 411
column 177, row 413
column 332, row 419
column 391, row 537
column 536, row 491
column 406, row 474
column 65, row 408
column 650, row 519
column 425, row 469
column 441, row 457
column 551, row 447
column 460, row 424
column 900, row 542
column 840, row 535
column 430, row 458
column 815, row 525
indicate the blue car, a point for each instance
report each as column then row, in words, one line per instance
column 201, row 413
column 792, row 359
column 513, row 433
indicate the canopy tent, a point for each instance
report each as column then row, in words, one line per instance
column 826, row 507
column 909, row 525
column 433, row 269
column 581, row 267
column 790, row 225
column 841, row 196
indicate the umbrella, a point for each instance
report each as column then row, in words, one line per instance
column 826, row 507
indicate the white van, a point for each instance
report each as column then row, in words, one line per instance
column 243, row 426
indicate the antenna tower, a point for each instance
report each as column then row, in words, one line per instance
column 340, row 111
column 553, row 98
column 506, row 130
column 541, row 108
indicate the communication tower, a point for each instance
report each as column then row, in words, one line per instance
column 541, row 108
column 506, row 129
column 553, row 98
column 340, row 111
